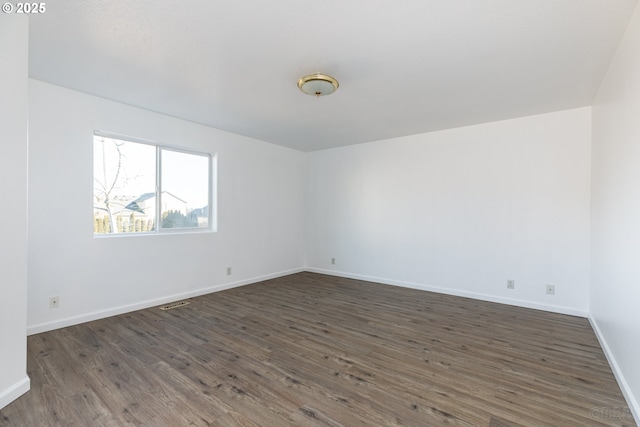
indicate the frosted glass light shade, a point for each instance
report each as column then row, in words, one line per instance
column 318, row 84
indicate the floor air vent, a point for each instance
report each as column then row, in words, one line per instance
column 174, row 305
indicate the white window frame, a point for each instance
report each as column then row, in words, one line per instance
column 212, row 196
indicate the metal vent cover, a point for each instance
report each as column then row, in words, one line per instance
column 174, row 305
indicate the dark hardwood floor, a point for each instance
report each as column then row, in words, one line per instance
column 314, row 350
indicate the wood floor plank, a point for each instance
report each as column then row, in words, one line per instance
column 315, row 350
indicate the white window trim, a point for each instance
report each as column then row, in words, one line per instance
column 212, row 196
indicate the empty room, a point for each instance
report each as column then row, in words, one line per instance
column 292, row 213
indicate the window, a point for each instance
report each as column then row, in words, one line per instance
column 134, row 181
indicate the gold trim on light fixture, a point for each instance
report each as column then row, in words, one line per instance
column 318, row 84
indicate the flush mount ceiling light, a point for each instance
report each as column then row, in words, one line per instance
column 318, row 84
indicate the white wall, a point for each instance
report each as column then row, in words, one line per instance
column 260, row 214
column 13, row 215
column 615, row 212
column 461, row 211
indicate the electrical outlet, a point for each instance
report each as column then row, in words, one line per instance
column 228, row 271
column 551, row 290
column 54, row 302
column 333, row 261
column 511, row 284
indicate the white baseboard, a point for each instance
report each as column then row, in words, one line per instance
column 15, row 391
column 101, row 314
column 483, row 297
column 624, row 386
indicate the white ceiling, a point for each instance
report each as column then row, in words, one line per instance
column 405, row 67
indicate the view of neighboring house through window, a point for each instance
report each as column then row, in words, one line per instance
column 148, row 188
